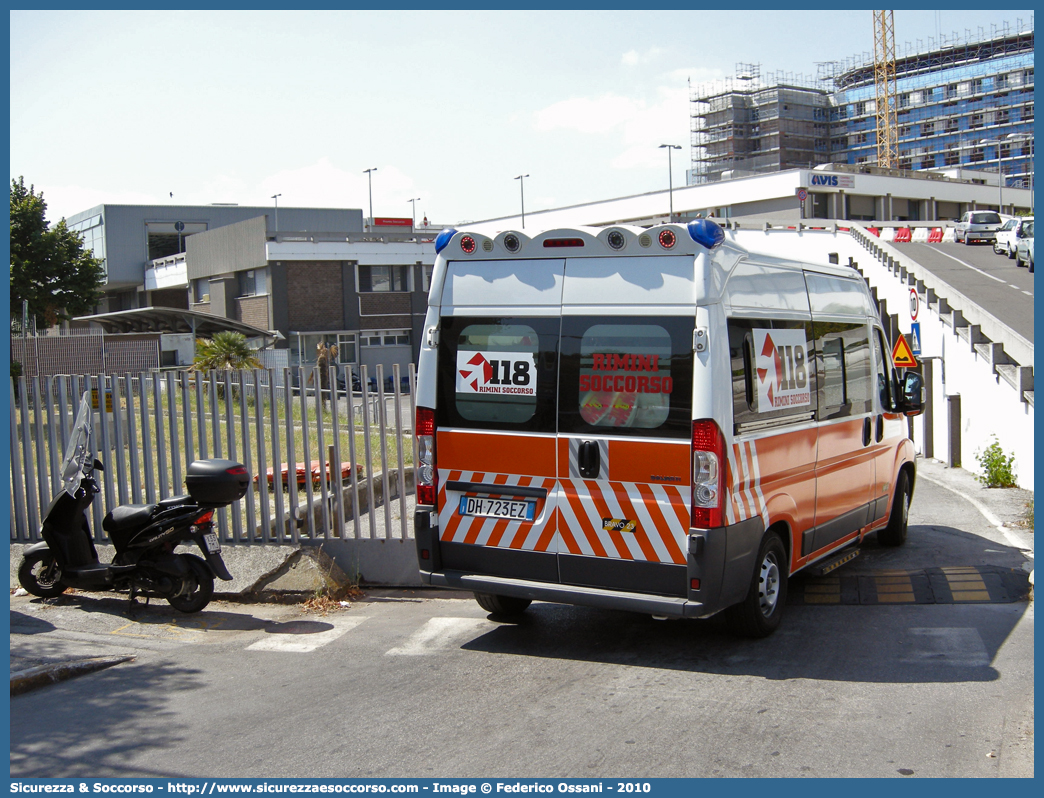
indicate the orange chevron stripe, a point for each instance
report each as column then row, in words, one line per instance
column 622, row 549
column 662, row 526
column 582, row 519
column 641, row 535
column 476, row 525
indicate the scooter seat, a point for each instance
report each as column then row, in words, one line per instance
column 128, row 516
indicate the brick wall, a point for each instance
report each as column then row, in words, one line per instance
column 314, row 296
column 383, row 304
column 253, row 310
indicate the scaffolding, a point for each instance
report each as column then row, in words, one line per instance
column 755, row 122
column 961, row 102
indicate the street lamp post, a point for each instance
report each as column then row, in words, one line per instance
column 522, row 188
column 276, row 198
column 369, row 181
column 413, row 202
column 670, row 176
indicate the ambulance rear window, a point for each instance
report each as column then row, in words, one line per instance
column 626, row 377
column 497, row 373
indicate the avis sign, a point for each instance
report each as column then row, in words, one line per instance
column 782, row 369
column 505, row 373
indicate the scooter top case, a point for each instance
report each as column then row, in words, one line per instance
column 216, row 482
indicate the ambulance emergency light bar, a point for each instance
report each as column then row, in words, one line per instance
column 703, row 231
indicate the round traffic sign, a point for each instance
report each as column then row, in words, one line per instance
column 915, row 303
column 802, row 195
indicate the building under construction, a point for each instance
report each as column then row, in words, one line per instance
column 963, row 103
column 751, row 124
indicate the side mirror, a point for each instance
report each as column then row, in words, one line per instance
column 98, row 466
column 913, row 394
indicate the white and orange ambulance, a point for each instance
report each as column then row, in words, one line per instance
column 656, row 420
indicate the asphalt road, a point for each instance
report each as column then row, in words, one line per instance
column 425, row 684
column 992, row 281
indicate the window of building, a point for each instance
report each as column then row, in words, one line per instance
column 383, row 278
column 426, row 276
column 252, row 282
column 168, row 238
column 384, row 338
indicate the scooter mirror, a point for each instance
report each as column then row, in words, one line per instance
column 98, row 466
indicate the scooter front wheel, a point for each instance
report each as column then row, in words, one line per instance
column 199, row 588
column 41, row 575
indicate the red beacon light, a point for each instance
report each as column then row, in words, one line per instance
column 667, row 239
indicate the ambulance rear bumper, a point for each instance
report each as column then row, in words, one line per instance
column 568, row 594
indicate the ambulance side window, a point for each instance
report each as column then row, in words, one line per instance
column 882, row 371
column 497, row 373
column 773, row 372
column 626, row 377
column 845, row 369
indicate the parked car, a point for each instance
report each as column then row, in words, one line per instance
column 1024, row 247
column 1004, row 243
column 977, row 226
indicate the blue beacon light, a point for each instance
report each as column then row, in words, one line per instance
column 443, row 238
column 705, row 232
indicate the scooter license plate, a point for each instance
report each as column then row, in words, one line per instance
column 210, row 540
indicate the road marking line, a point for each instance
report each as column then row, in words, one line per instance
column 973, row 268
column 303, row 643
column 1028, row 293
column 438, row 634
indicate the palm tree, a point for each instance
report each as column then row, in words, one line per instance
column 226, row 351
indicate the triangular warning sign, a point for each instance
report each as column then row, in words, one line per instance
column 902, row 355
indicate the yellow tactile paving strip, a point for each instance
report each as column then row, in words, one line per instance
column 943, row 585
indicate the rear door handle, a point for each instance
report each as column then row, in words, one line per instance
column 867, row 427
column 588, row 459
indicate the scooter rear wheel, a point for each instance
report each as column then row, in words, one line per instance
column 199, row 592
column 40, row 574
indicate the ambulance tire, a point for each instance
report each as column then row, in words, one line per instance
column 504, row 606
column 895, row 533
column 761, row 612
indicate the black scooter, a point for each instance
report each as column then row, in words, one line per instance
column 144, row 535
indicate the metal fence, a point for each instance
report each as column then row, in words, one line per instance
column 333, row 452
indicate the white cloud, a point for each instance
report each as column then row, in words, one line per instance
column 634, row 58
column 585, row 114
column 65, row 201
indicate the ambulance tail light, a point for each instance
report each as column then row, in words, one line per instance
column 708, row 467
column 427, row 478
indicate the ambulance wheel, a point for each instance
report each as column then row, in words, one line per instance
column 760, row 613
column 504, row 606
column 895, row 533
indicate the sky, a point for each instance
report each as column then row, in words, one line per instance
column 448, row 107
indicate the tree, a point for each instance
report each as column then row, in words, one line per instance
column 226, row 350
column 49, row 266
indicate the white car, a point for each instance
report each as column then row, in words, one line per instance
column 1004, row 243
column 977, row 226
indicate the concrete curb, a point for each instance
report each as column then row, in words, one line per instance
column 38, row 676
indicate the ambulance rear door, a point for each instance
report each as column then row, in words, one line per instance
column 496, row 401
column 625, row 422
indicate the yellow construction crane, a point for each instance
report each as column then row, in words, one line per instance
column 884, row 85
